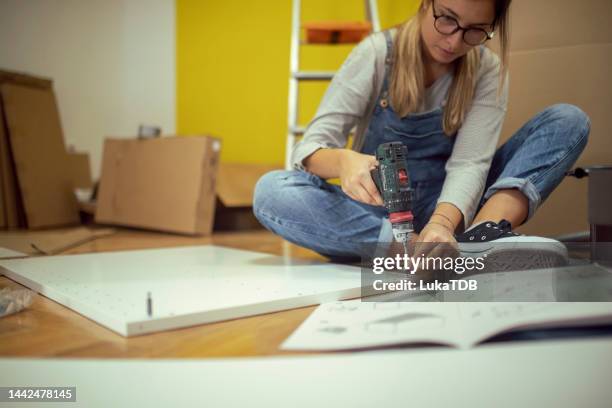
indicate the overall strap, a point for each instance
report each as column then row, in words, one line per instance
column 388, row 62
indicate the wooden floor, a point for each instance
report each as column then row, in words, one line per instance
column 47, row 329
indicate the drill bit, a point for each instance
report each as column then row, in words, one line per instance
column 402, row 232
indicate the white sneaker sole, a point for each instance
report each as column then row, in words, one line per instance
column 517, row 253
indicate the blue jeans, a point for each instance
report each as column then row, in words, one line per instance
column 308, row 211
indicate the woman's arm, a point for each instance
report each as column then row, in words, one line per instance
column 447, row 215
column 325, row 163
column 322, row 150
column 440, row 229
column 468, row 166
column 345, row 102
column 351, row 167
column 470, row 161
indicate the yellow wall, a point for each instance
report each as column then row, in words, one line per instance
column 233, row 68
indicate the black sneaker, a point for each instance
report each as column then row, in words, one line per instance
column 505, row 250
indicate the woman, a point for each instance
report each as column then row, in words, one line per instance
column 434, row 86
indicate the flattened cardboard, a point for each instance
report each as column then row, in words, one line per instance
column 559, row 23
column 578, row 75
column 24, row 79
column 165, row 184
column 3, row 158
column 50, row 242
column 235, row 187
column 11, row 200
column 561, row 53
column 236, row 182
column 13, row 214
column 546, row 24
column 39, row 156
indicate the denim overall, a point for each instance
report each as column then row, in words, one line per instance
column 422, row 134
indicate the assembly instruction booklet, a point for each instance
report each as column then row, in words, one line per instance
column 356, row 324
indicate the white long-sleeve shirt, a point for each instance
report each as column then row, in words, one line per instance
column 354, row 90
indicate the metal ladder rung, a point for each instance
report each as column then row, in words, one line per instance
column 298, row 130
column 313, row 75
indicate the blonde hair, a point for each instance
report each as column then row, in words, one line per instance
column 407, row 86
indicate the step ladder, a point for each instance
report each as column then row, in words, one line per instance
column 296, row 76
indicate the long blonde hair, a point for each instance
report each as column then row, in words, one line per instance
column 407, row 86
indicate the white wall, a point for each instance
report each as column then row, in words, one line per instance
column 112, row 63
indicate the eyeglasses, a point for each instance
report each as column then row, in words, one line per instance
column 448, row 25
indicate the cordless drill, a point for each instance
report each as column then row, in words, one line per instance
column 391, row 179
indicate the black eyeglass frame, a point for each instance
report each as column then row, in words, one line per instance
column 489, row 35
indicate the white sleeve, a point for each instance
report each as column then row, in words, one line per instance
column 468, row 167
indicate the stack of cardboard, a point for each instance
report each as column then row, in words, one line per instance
column 36, row 184
column 165, row 184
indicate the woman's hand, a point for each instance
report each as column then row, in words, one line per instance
column 438, row 236
column 436, row 240
column 355, row 177
column 436, row 232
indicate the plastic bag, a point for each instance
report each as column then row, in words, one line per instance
column 14, row 300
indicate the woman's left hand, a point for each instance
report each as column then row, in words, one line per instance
column 435, row 240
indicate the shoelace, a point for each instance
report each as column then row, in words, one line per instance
column 505, row 227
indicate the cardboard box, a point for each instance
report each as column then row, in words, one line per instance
column 165, row 184
column 561, row 51
column 235, row 184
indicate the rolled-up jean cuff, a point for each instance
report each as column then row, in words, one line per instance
column 525, row 186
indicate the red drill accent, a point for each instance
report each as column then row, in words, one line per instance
column 403, row 176
column 400, row 217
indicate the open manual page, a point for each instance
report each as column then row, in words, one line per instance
column 355, row 324
column 576, row 295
